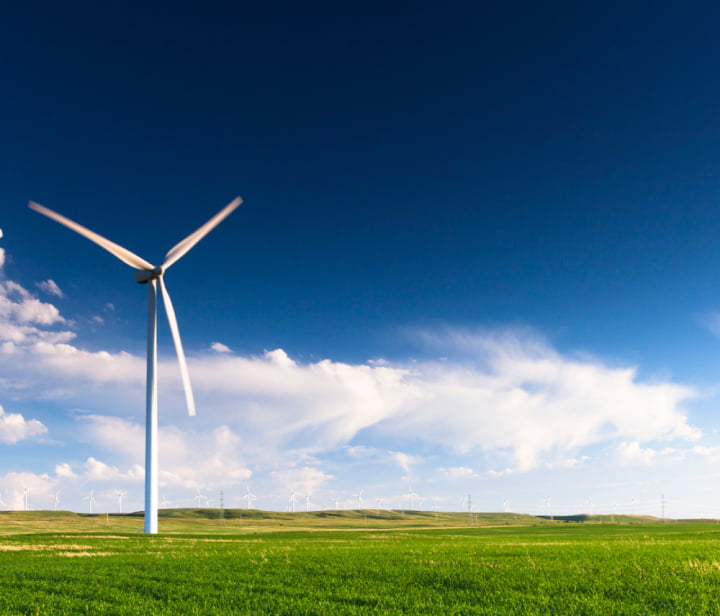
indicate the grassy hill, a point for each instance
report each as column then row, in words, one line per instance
column 244, row 521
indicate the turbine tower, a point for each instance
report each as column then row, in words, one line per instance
column 25, row 497
column 90, row 499
column 292, row 500
column 249, row 497
column 56, row 500
column 120, row 495
column 412, row 495
column 152, row 275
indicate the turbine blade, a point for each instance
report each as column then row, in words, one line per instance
column 121, row 253
column 181, row 248
column 172, row 320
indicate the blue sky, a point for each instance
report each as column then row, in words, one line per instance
column 477, row 253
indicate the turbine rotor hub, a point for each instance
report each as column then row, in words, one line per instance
column 145, row 276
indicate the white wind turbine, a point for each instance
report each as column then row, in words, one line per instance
column 56, row 500
column 292, row 500
column 152, row 276
column 25, row 497
column 359, row 499
column 120, row 495
column 249, row 497
column 412, row 495
column 90, row 499
column 199, row 498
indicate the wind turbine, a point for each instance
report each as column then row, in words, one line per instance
column 90, row 499
column 152, row 276
column 56, row 500
column 199, row 498
column 307, row 503
column 412, row 495
column 359, row 499
column 25, row 497
column 249, row 497
column 292, row 500
column 120, row 495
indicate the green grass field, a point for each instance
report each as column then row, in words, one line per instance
column 354, row 563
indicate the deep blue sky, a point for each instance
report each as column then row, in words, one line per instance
column 404, row 166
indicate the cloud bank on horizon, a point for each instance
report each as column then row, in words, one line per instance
column 505, row 397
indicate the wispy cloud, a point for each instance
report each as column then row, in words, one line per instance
column 50, row 287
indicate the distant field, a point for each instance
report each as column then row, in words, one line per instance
column 71, row 564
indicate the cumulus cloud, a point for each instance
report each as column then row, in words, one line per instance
column 14, row 427
column 65, row 470
column 304, row 481
column 206, row 459
column 50, row 287
column 510, row 396
column 38, row 487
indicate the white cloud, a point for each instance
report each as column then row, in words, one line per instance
column 510, row 396
column 40, row 488
column 95, row 470
column 2, row 257
column 711, row 322
column 65, row 470
column 633, row 453
column 404, row 460
column 50, row 287
column 219, row 347
column 303, row 481
column 14, row 427
column 457, row 472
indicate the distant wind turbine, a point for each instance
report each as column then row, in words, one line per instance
column 25, row 497
column 359, row 499
column 292, row 500
column 249, row 497
column 120, row 495
column 199, row 498
column 56, row 500
column 412, row 495
column 152, row 276
column 90, row 499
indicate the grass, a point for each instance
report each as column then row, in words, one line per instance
column 297, row 565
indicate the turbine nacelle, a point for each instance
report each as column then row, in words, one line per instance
column 145, row 276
